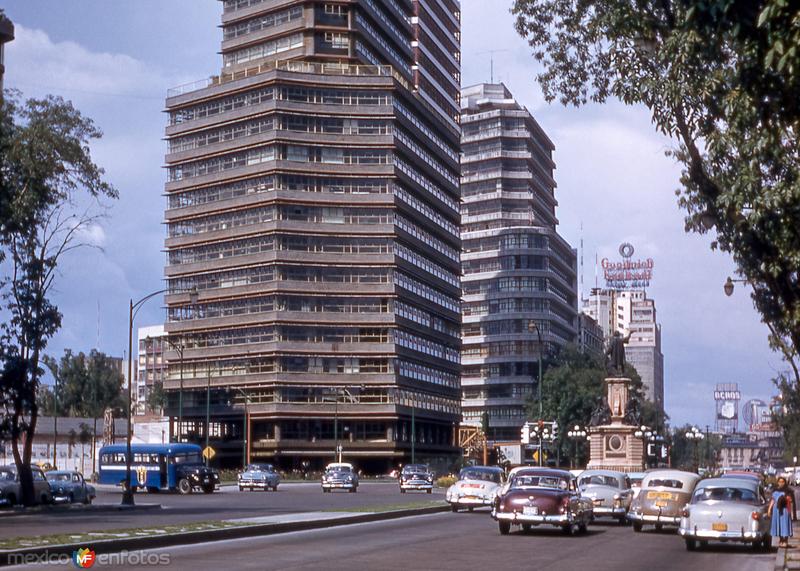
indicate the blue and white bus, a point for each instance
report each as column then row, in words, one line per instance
column 156, row 467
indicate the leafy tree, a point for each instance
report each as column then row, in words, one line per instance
column 44, row 162
column 720, row 77
column 686, row 454
column 45, row 400
column 157, row 398
column 787, row 416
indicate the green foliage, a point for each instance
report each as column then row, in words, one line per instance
column 720, row 77
column 157, row 398
column 687, row 455
column 86, row 384
column 787, row 416
column 44, row 162
column 445, row 481
column 573, row 383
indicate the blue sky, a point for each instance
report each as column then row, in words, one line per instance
column 115, row 59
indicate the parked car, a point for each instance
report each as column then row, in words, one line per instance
column 727, row 509
column 663, row 496
column 543, row 496
column 416, row 477
column 609, row 491
column 70, row 487
column 636, row 482
column 10, row 492
column 476, row 486
column 340, row 476
column 259, row 477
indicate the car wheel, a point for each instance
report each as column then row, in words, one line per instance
column 766, row 543
column 402, row 491
column 275, row 488
column 353, row 490
column 184, row 487
column 583, row 528
column 637, row 527
column 12, row 500
column 430, row 491
column 526, row 527
column 470, row 508
column 241, row 488
column 567, row 529
column 87, row 500
column 691, row 544
column 702, row 545
column 72, row 498
column 659, row 527
column 208, row 488
column 454, row 508
column 505, row 527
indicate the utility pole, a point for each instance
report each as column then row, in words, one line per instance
column 208, row 410
column 55, row 420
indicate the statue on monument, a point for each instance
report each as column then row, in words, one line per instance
column 615, row 354
column 602, row 413
column 633, row 413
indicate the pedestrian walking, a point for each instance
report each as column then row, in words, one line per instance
column 781, row 508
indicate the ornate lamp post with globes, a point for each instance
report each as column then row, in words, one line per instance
column 577, row 434
column 695, row 435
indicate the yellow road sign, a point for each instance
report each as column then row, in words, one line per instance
column 208, row 453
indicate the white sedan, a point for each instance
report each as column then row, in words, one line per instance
column 476, row 486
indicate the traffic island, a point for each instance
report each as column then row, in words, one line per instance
column 114, row 541
column 67, row 508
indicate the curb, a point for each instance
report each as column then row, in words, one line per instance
column 101, row 508
column 191, row 537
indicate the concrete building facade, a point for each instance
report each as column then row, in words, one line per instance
column 518, row 273
column 6, row 35
column 150, row 365
column 313, row 206
column 631, row 312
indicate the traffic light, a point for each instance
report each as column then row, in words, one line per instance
column 525, row 434
column 554, row 431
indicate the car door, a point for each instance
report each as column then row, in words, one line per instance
column 79, row 488
column 41, row 486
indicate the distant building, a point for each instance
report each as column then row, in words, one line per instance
column 631, row 312
column 745, row 451
column 590, row 335
column 6, row 35
column 518, row 272
column 151, row 368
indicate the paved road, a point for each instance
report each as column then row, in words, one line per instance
column 462, row 541
column 229, row 503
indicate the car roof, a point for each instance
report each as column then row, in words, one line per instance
column 70, row 472
column 543, row 471
column 748, row 483
column 338, row 465
column 680, row 475
column 483, row 468
column 612, row 473
column 637, row 475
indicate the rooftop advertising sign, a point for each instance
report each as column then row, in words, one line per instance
column 627, row 273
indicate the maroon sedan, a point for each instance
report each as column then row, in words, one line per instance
column 538, row 496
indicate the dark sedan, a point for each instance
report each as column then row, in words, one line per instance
column 70, row 487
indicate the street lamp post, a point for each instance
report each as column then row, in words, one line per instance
column 133, row 309
column 577, row 434
column 178, row 348
column 644, row 432
column 695, row 435
column 246, row 431
column 531, row 327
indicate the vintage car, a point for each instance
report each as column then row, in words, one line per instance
column 70, row 487
column 10, row 493
column 727, row 509
column 609, row 491
column 476, row 486
column 340, row 476
column 259, row 477
column 636, row 482
column 662, row 498
column 416, row 477
column 542, row 496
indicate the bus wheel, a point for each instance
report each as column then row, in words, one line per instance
column 184, row 487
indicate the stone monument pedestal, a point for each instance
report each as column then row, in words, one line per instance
column 613, row 445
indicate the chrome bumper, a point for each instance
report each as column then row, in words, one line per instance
column 245, row 484
column 472, row 501
column 338, row 485
column 646, row 518
column 747, row 536
column 605, row 510
column 60, row 499
column 516, row 517
column 421, row 486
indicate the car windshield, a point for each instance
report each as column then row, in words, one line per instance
column 725, row 494
column 54, row 477
column 6, row 475
column 486, row 475
column 259, row 468
column 553, row 482
column 415, row 468
column 188, row 458
column 665, row 483
column 598, row 480
column 339, row 469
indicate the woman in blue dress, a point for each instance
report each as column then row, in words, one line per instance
column 780, row 508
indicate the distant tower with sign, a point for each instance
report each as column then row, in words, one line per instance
column 623, row 306
column 726, row 398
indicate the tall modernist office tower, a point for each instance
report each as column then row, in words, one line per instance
column 313, row 203
column 518, row 273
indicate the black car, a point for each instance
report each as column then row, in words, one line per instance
column 196, row 476
column 416, row 477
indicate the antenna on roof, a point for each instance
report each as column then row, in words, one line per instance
column 491, row 61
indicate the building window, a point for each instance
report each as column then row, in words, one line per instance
column 335, row 9
column 337, row 40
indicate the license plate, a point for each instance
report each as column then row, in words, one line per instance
column 719, row 526
column 598, row 502
column 659, row 496
column 662, row 504
column 530, row 510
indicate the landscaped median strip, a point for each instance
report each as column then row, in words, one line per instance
column 182, row 534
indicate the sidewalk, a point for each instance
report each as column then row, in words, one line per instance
column 789, row 558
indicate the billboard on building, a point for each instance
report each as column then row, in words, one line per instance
column 726, row 398
column 627, row 273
